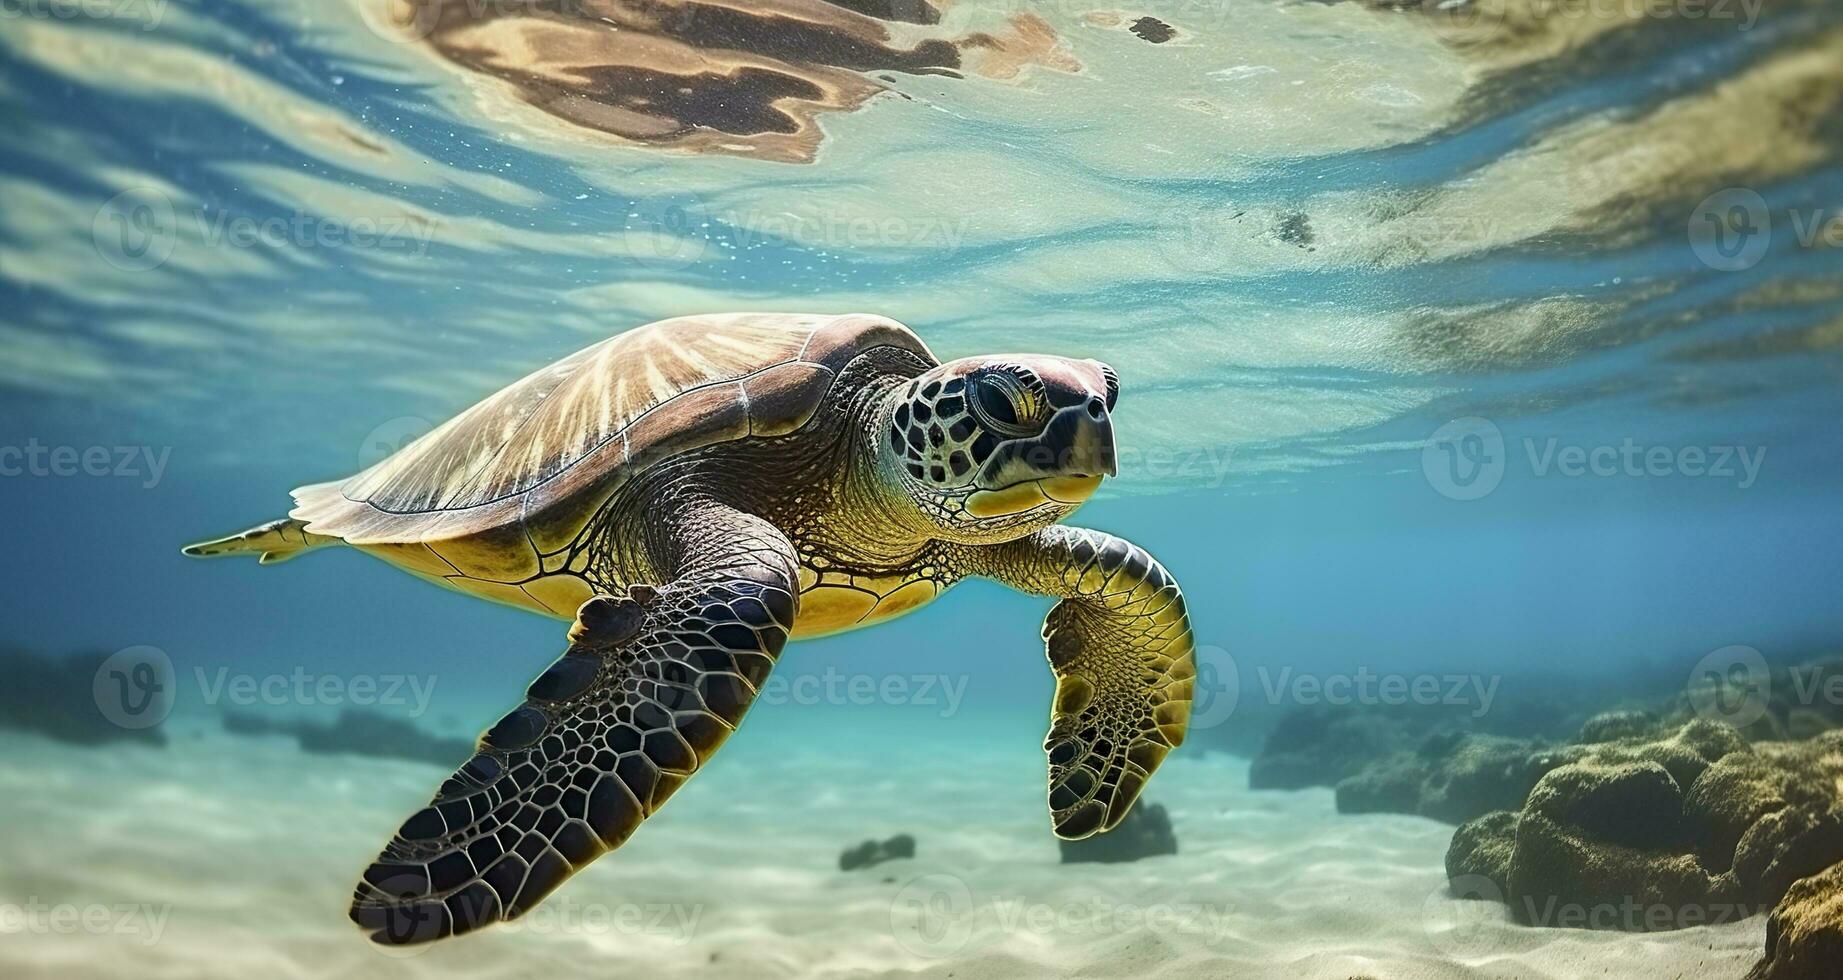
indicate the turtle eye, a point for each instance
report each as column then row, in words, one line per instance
column 1001, row 403
column 1113, row 386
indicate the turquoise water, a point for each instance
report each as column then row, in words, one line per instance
column 249, row 246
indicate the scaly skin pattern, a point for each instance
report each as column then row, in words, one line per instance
column 1120, row 644
column 653, row 682
column 865, row 556
column 701, row 568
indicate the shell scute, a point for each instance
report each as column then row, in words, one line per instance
column 542, row 453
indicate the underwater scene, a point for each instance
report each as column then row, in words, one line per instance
column 1203, row 488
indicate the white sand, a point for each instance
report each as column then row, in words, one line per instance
column 236, row 860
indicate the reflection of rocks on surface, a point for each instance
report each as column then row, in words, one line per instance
column 872, row 853
column 1152, row 29
column 1146, row 832
column 719, row 76
column 55, row 697
column 356, row 732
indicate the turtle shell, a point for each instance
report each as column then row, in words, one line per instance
column 524, row 457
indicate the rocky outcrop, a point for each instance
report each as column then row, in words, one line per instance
column 359, row 732
column 1450, row 776
column 81, row 699
column 1146, row 832
column 871, row 853
column 1804, row 935
column 1321, row 745
column 1695, row 828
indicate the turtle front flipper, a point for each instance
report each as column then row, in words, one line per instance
column 652, row 684
column 1120, row 644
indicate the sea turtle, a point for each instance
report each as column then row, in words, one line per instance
column 690, row 494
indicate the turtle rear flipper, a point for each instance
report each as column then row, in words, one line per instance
column 274, row 541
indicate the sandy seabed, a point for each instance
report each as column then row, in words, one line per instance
column 236, row 859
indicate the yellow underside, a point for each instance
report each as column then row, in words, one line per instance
column 830, row 601
column 1031, row 493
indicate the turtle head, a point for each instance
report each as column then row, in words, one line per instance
column 993, row 448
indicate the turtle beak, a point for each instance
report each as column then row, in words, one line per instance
column 1064, row 464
